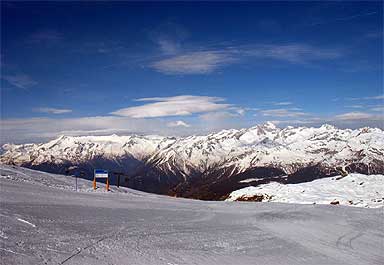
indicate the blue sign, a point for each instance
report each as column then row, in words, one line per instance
column 101, row 173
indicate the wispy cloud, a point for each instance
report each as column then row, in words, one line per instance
column 378, row 108
column 178, row 124
column 20, row 80
column 217, row 116
column 238, row 110
column 353, row 116
column 293, row 53
column 45, row 36
column 345, row 18
column 173, row 106
column 202, row 62
column 41, row 129
column 378, row 97
column 168, row 37
column 207, row 61
column 283, row 103
column 52, row 110
column 292, row 112
column 344, row 120
column 355, row 106
column 37, row 129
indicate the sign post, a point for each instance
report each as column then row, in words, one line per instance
column 118, row 174
column 100, row 173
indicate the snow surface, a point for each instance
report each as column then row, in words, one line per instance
column 61, row 226
column 353, row 189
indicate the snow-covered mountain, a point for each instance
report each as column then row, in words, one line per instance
column 354, row 190
column 213, row 165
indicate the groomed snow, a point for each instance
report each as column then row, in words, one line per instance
column 354, row 190
column 44, row 221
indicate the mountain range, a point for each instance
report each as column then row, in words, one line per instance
column 210, row 166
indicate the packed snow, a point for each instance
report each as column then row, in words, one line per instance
column 354, row 190
column 45, row 221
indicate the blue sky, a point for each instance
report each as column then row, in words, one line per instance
column 186, row 68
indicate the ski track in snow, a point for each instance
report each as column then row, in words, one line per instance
column 131, row 227
column 25, row 222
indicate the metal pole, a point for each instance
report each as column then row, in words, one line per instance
column 76, row 182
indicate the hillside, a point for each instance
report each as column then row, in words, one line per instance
column 44, row 221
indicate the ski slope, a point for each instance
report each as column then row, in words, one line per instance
column 44, row 221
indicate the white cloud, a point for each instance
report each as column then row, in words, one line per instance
column 240, row 111
column 168, row 46
column 283, row 112
column 351, row 120
column 178, row 124
column 42, row 129
column 355, row 106
column 52, row 110
column 38, row 129
column 217, row 116
column 201, row 62
column 283, row 103
column 20, row 80
column 378, row 108
column 353, row 116
column 168, row 37
column 378, row 97
column 173, row 106
column 293, row 53
column 205, row 61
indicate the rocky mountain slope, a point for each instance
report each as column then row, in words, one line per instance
column 211, row 166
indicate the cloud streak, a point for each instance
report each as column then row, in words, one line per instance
column 378, row 97
column 355, row 115
column 173, row 106
column 346, row 18
column 202, row 62
column 45, row 36
column 292, row 112
column 178, row 124
column 208, row 61
column 283, row 103
column 20, row 80
column 52, row 110
column 293, row 53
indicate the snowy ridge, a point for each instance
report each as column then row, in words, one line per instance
column 171, row 161
column 83, row 148
column 354, row 190
column 261, row 145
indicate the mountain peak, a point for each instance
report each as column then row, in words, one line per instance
column 327, row 127
column 270, row 125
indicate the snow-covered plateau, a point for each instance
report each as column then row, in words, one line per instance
column 354, row 189
column 45, row 221
column 211, row 166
